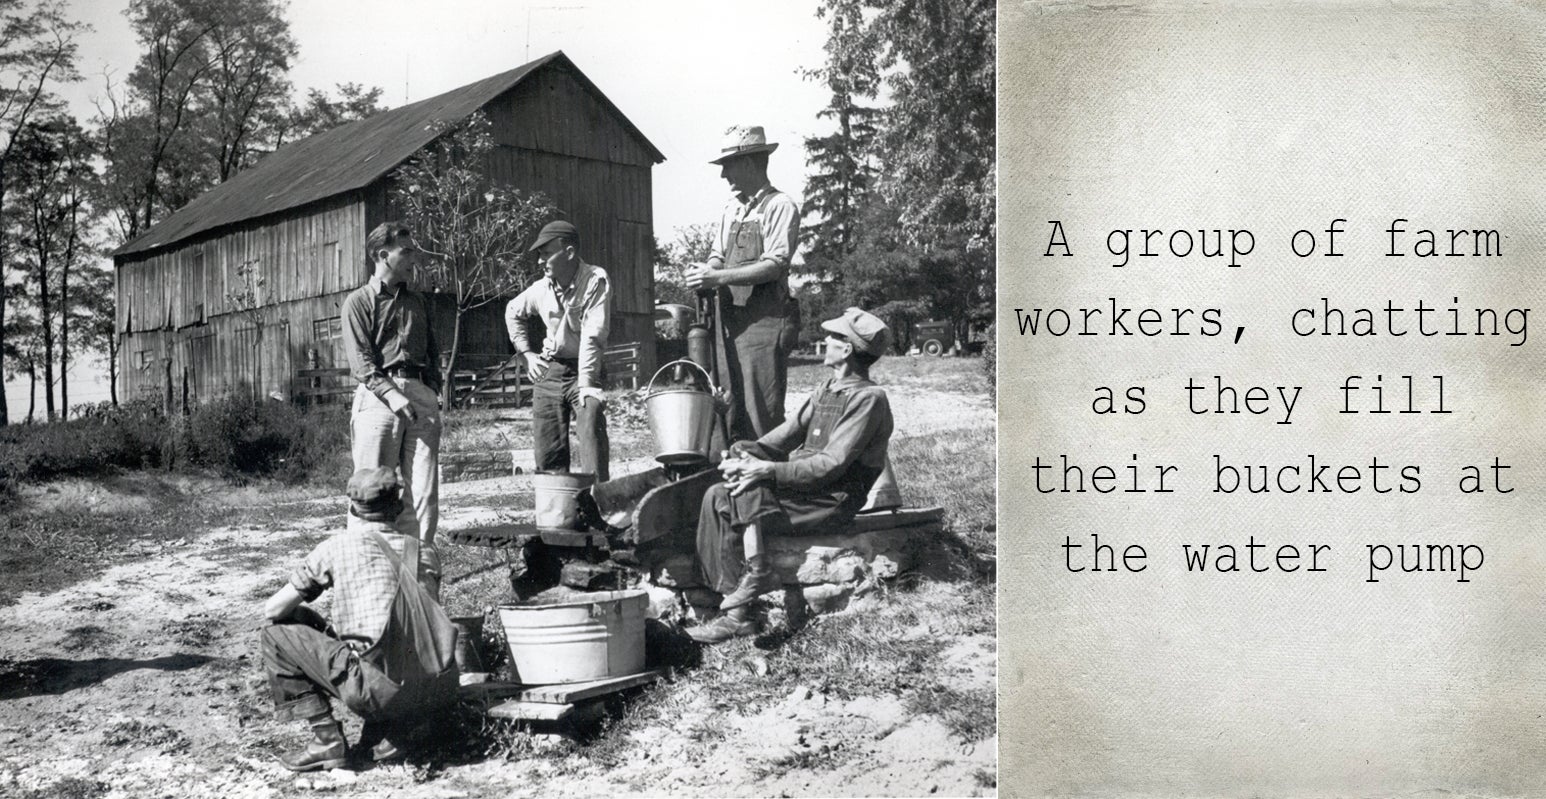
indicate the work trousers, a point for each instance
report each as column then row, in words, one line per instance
column 755, row 367
column 382, row 438
column 723, row 517
column 555, row 403
column 305, row 666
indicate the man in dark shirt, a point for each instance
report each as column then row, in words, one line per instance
column 809, row 475
column 392, row 353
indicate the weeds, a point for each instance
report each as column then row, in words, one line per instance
column 141, row 734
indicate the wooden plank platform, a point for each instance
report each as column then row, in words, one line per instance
column 510, row 534
column 550, row 702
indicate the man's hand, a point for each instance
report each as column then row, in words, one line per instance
column 701, row 277
column 408, row 414
column 535, row 366
column 591, row 393
column 744, row 471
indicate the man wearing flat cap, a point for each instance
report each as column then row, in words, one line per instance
column 808, row 476
column 390, row 343
column 573, row 300
column 748, row 270
column 388, row 653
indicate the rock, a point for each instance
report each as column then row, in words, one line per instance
column 884, row 568
column 594, row 576
column 665, row 604
column 823, row 566
column 827, row 598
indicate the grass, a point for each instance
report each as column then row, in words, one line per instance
column 43, row 550
column 890, row 645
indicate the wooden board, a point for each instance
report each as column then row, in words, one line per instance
column 550, row 702
column 889, row 519
column 509, row 534
column 671, row 507
column 517, row 710
column 579, row 691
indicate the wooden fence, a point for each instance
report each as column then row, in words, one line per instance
column 481, row 380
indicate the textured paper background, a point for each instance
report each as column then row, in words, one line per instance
column 1272, row 118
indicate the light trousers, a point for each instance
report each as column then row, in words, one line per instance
column 382, row 438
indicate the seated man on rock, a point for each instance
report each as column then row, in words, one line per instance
column 807, row 476
column 389, row 652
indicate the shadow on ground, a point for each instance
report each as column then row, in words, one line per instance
column 43, row 676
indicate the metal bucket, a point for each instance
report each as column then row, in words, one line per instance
column 576, row 638
column 555, row 497
column 681, row 417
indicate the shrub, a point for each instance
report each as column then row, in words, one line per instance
column 131, row 436
column 990, row 361
column 241, row 436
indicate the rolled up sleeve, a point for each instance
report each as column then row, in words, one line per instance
column 315, row 574
column 516, row 312
column 781, row 228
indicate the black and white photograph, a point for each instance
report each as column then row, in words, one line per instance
column 478, row 398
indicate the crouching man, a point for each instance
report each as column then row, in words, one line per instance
column 807, row 476
column 389, row 653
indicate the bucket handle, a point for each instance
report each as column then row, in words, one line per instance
column 649, row 390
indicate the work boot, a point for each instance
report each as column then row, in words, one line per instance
column 379, row 742
column 327, row 750
column 732, row 623
column 756, row 579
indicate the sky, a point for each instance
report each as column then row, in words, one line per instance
column 681, row 70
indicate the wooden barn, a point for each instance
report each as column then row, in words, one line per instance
column 300, row 217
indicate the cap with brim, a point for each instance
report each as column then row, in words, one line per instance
column 864, row 330
column 374, row 494
column 554, row 230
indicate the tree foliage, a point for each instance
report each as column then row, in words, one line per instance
column 50, row 173
column 692, row 244
column 208, row 96
column 842, row 162
column 37, row 52
column 903, row 195
column 475, row 230
column 321, row 112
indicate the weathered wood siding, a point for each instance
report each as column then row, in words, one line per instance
column 555, row 136
column 173, row 303
column 558, row 138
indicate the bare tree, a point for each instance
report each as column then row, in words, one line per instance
column 475, row 230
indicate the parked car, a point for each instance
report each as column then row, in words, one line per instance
column 934, row 337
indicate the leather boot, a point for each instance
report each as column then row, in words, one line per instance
column 732, row 623
column 756, row 579
column 379, row 742
column 327, row 750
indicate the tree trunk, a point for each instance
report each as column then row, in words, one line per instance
column 32, row 389
column 45, row 312
column 5, row 414
column 112, row 365
column 448, row 380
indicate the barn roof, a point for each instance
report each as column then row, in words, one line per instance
column 346, row 158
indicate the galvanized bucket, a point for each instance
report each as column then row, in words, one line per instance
column 556, row 498
column 576, row 638
column 681, row 417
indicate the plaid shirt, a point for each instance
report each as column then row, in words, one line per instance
column 365, row 581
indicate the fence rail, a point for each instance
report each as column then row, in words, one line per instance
column 485, row 380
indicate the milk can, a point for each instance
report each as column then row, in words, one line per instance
column 681, row 413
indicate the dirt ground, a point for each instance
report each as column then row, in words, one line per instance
column 145, row 681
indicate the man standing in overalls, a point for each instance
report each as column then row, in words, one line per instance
column 808, row 476
column 756, row 323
